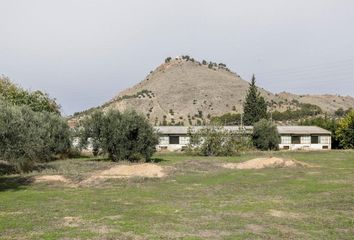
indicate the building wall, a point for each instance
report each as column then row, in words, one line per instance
column 324, row 142
column 165, row 145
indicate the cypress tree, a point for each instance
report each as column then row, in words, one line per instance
column 254, row 107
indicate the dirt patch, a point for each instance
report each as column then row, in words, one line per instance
column 282, row 214
column 147, row 170
column 255, row 228
column 51, row 178
column 260, row 163
column 72, row 222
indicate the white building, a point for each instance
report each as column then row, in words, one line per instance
column 175, row 138
column 304, row 137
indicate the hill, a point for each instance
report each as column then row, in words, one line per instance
column 188, row 92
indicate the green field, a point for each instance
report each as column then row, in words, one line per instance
column 197, row 200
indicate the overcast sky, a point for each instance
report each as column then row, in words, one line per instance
column 83, row 52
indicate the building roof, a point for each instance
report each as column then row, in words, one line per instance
column 302, row 130
column 184, row 130
column 307, row 130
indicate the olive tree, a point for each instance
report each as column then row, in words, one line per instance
column 122, row 136
column 27, row 137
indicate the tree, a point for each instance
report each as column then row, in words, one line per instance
column 265, row 135
column 37, row 100
column 214, row 141
column 345, row 131
column 123, row 136
column 27, row 137
column 254, row 107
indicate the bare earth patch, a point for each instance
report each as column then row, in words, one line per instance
column 51, row 178
column 147, row 170
column 260, row 163
column 282, row 214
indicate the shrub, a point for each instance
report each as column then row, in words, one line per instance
column 123, row 136
column 167, row 60
column 345, row 131
column 265, row 135
column 216, row 141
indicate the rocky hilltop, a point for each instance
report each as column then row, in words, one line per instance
column 185, row 91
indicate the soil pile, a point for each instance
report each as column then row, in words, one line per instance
column 260, row 163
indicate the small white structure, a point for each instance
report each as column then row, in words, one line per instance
column 304, row 137
column 175, row 138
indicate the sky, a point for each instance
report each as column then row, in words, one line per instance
column 84, row 52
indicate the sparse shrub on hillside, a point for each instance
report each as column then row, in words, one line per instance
column 168, row 59
column 204, row 62
column 339, row 112
column 123, row 136
column 265, row 135
column 171, row 112
column 200, row 113
column 227, row 119
column 306, row 110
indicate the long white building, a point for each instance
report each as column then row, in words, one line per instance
column 175, row 138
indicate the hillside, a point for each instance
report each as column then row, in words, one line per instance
column 186, row 91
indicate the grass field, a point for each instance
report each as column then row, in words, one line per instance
column 197, row 200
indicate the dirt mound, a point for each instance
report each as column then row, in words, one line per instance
column 147, row 170
column 51, row 178
column 138, row 170
column 260, row 163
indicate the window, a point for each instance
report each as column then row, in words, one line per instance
column 285, row 139
column 174, row 140
column 325, row 139
column 314, row 140
column 295, row 140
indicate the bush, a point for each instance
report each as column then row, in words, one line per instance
column 27, row 137
column 37, row 100
column 123, row 136
column 265, row 135
column 345, row 131
column 167, row 60
column 216, row 141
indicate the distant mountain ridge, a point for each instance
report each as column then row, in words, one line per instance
column 185, row 91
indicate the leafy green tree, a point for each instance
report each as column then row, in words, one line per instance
column 123, row 136
column 345, row 131
column 37, row 100
column 227, row 119
column 254, row 107
column 265, row 135
column 27, row 137
column 216, row 141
